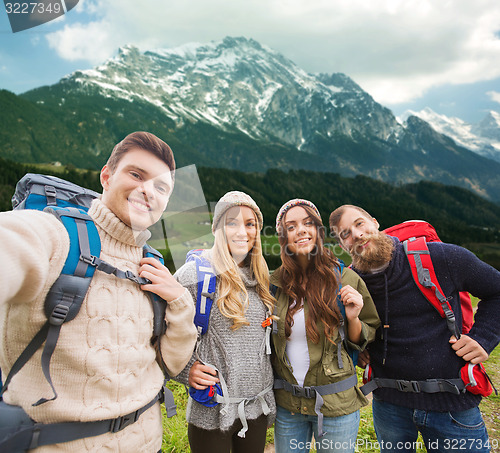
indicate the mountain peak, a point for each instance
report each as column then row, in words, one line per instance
column 237, row 83
column 489, row 128
column 240, row 41
column 235, row 97
column 492, row 117
column 339, row 80
column 482, row 138
column 128, row 48
column 214, row 49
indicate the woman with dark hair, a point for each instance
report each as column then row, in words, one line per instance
column 315, row 378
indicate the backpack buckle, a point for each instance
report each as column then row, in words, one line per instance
column 89, row 260
column 425, row 278
column 122, row 422
column 303, row 392
column 309, row 392
column 129, row 275
column 59, row 314
column 51, row 194
column 408, row 386
column 297, row 391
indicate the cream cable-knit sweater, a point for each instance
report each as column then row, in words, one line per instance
column 104, row 365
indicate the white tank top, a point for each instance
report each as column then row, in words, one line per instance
column 296, row 347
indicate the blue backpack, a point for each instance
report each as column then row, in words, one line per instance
column 70, row 203
column 207, row 283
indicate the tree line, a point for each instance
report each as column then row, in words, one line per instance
column 459, row 216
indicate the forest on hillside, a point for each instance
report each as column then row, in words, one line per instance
column 459, row 216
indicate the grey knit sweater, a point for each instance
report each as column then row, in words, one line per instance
column 239, row 355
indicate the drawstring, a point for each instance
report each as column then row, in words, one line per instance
column 267, row 325
column 339, row 345
column 386, row 320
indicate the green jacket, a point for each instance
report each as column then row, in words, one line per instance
column 323, row 368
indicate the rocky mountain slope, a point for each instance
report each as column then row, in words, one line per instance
column 235, row 104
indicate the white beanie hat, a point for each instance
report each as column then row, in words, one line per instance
column 231, row 199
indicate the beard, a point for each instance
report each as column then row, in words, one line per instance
column 377, row 255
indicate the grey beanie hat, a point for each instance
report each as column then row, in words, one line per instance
column 231, row 199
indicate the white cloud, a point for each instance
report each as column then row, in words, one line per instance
column 82, row 6
column 90, row 42
column 394, row 49
column 494, row 96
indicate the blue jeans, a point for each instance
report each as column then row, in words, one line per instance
column 293, row 433
column 397, row 429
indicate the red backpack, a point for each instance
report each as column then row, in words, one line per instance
column 415, row 234
column 422, row 229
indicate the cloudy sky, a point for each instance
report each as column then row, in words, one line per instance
column 408, row 54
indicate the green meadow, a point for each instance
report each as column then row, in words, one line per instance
column 175, row 428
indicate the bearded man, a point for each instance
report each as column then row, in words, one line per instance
column 414, row 345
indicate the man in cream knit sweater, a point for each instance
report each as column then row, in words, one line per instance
column 104, row 365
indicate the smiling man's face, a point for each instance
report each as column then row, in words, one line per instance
column 138, row 190
column 355, row 230
column 360, row 236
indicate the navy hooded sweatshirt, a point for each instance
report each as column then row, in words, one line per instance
column 417, row 338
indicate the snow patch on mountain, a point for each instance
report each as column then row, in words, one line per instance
column 239, row 84
column 482, row 138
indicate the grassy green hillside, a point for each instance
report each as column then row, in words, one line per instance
column 87, row 125
column 78, row 125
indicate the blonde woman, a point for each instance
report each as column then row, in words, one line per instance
column 234, row 351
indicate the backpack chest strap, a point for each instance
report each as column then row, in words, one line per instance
column 36, row 435
column 317, row 392
column 455, row 386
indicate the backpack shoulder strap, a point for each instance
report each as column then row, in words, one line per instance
column 339, row 300
column 206, row 289
column 423, row 273
column 159, row 305
column 273, row 290
column 342, row 327
column 66, row 295
column 159, row 328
